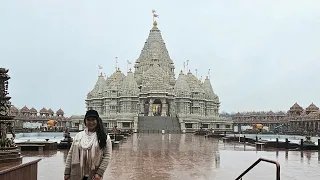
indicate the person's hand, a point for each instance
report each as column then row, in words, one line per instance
column 96, row 177
column 66, row 177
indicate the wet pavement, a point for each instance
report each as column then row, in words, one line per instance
column 185, row 156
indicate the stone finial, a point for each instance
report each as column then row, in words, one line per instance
column 155, row 23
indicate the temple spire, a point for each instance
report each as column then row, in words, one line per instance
column 154, row 53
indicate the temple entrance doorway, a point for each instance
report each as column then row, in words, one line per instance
column 157, row 107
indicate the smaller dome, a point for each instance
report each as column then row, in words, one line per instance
column 25, row 110
column 33, row 110
column 98, row 88
column 296, row 107
column 43, row 111
column 129, row 86
column 60, row 112
column 181, row 87
column 117, row 76
column 281, row 113
column 312, row 107
column 270, row 113
column 194, row 83
column 50, row 111
column 13, row 109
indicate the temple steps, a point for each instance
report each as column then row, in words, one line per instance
column 157, row 123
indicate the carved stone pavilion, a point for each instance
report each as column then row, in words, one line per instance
column 150, row 98
column 8, row 150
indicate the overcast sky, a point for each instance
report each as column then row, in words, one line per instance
column 263, row 55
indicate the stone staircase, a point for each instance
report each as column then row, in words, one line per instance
column 10, row 154
column 154, row 124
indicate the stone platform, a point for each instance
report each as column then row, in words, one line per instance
column 38, row 146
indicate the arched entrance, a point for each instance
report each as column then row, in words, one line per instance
column 157, row 107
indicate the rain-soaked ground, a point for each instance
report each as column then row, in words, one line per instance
column 185, row 156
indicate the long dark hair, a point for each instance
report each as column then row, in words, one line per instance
column 101, row 133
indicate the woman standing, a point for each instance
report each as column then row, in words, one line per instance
column 90, row 152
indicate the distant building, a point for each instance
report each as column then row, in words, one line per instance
column 26, row 115
column 269, row 119
column 296, row 119
column 304, row 121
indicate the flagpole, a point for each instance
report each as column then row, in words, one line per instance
column 99, row 70
column 154, row 15
column 116, row 63
column 187, row 65
column 127, row 66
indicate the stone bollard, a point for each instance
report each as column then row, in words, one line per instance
column 301, row 144
column 277, row 142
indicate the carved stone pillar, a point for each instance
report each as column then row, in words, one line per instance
column 150, row 107
column 172, row 111
column 135, row 124
column 142, row 104
column 164, row 107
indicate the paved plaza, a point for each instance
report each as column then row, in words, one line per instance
column 185, row 156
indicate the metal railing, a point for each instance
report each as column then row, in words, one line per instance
column 257, row 162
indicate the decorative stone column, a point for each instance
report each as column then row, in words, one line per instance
column 172, row 108
column 119, row 125
column 150, row 107
column 135, row 124
column 164, row 107
column 142, row 104
column 183, row 126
